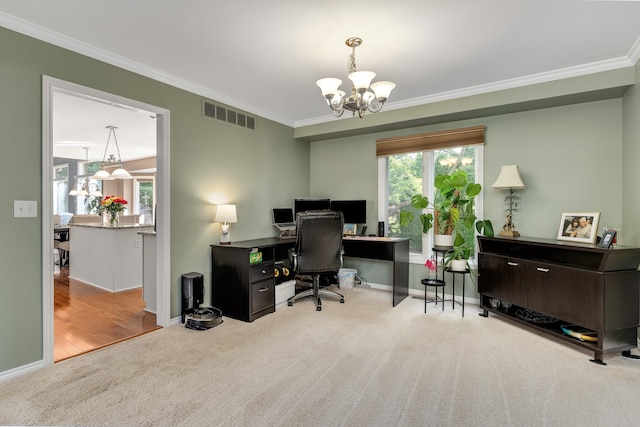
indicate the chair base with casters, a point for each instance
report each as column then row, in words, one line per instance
column 315, row 292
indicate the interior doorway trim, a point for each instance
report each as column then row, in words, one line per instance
column 163, row 264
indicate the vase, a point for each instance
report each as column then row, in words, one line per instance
column 114, row 219
column 458, row 265
column 443, row 240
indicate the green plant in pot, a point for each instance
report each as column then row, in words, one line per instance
column 457, row 259
column 453, row 202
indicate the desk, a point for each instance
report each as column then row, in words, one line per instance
column 385, row 249
column 247, row 291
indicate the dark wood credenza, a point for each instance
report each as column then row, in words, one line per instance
column 583, row 286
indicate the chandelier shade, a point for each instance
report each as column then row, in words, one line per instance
column 120, row 172
column 364, row 94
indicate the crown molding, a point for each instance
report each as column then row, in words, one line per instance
column 60, row 40
column 577, row 71
column 41, row 33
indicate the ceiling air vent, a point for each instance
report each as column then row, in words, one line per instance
column 213, row 111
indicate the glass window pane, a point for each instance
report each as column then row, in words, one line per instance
column 448, row 161
column 146, row 203
column 404, row 179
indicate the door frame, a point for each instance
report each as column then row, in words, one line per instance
column 163, row 257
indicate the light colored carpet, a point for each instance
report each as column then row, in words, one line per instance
column 362, row 363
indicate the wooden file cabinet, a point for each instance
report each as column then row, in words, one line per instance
column 242, row 290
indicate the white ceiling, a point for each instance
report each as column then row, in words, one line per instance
column 265, row 56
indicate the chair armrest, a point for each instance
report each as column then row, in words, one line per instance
column 293, row 258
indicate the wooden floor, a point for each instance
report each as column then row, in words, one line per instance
column 87, row 318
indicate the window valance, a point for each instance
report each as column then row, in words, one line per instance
column 430, row 141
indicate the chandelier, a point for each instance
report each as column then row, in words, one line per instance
column 111, row 161
column 364, row 94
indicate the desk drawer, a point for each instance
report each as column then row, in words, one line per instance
column 261, row 272
column 262, row 295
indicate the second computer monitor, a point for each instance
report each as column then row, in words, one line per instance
column 302, row 205
column 353, row 211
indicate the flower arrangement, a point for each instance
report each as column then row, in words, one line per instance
column 113, row 205
column 432, row 265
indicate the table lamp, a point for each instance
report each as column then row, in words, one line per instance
column 509, row 179
column 225, row 215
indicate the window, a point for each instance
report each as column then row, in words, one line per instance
column 403, row 174
column 90, row 203
column 145, row 196
column 60, row 188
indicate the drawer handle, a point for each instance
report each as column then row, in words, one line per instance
column 265, row 289
column 542, row 270
column 264, row 271
column 512, row 264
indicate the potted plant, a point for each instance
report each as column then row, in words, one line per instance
column 453, row 202
column 457, row 259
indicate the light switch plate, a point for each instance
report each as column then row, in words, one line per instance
column 25, row 208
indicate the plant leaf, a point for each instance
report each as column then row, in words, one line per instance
column 406, row 217
column 427, row 222
column 419, row 201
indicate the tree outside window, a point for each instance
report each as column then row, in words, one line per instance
column 413, row 173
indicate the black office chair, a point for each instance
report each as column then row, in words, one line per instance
column 318, row 251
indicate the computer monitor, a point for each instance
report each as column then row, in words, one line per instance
column 302, row 205
column 353, row 211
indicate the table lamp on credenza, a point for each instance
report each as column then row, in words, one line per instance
column 509, row 179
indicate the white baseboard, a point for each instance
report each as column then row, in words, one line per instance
column 21, row 370
column 419, row 293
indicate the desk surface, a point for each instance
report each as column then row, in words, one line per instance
column 276, row 241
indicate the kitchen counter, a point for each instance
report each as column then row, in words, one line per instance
column 107, row 257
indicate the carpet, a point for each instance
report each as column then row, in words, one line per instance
column 361, row 363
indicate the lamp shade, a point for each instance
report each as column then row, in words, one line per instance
column 329, row 85
column 225, row 214
column 382, row 89
column 121, row 173
column 102, row 175
column 509, row 178
column 361, row 79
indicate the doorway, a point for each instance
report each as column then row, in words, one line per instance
column 51, row 86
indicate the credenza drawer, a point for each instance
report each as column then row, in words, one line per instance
column 262, row 295
column 261, row 272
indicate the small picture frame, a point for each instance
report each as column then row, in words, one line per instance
column 608, row 237
column 579, row 227
column 349, row 230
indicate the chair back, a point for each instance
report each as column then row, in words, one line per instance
column 319, row 241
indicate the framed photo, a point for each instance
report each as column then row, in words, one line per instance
column 579, row 227
column 608, row 237
column 349, row 230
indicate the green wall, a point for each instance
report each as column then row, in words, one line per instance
column 630, row 233
column 206, row 157
column 569, row 158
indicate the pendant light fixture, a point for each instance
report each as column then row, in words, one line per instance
column 81, row 190
column 364, row 94
column 112, row 161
